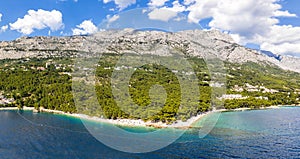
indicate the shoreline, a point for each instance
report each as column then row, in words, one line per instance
column 130, row 122
column 141, row 123
column 119, row 122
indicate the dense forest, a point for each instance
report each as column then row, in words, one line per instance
column 48, row 83
column 31, row 84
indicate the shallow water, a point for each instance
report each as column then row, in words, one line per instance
column 273, row 133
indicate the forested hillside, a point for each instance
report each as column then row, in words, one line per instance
column 47, row 82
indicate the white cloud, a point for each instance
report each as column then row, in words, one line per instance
column 166, row 13
column 106, row 1
column 121, row 4
column 200, row 9
column 86, row 27
column 3, row 28
column 39, row 19
column 177, row 7
column 112, row 19
column 249, row 21
column 162, row 14
column 188, row 2
column 179, row 18
column 157, row 3
column 246, row 18
column 286, row 13
column 238, row 39
column 281, row 39
column 285, row 33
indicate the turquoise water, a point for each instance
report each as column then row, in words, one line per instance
column 249, row 134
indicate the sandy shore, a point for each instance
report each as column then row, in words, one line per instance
column 137, row 123
column 130, row 122
column 16, row 108
column 273, row 107
column 121, row 122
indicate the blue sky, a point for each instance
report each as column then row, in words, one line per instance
column 272, row 25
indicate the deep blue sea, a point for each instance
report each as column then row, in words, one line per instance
column 273, row 133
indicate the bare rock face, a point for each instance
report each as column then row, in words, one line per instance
column 195, row 43
column 28, row 47
column 290, row 63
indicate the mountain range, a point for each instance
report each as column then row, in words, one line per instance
column 195, row 43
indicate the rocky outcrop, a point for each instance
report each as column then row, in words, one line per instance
column 191, row 42
column 28, row 47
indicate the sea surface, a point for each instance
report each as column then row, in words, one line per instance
column 273, row 133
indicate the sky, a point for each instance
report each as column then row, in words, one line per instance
column 271, row 25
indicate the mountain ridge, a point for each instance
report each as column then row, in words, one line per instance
column 195, row 43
